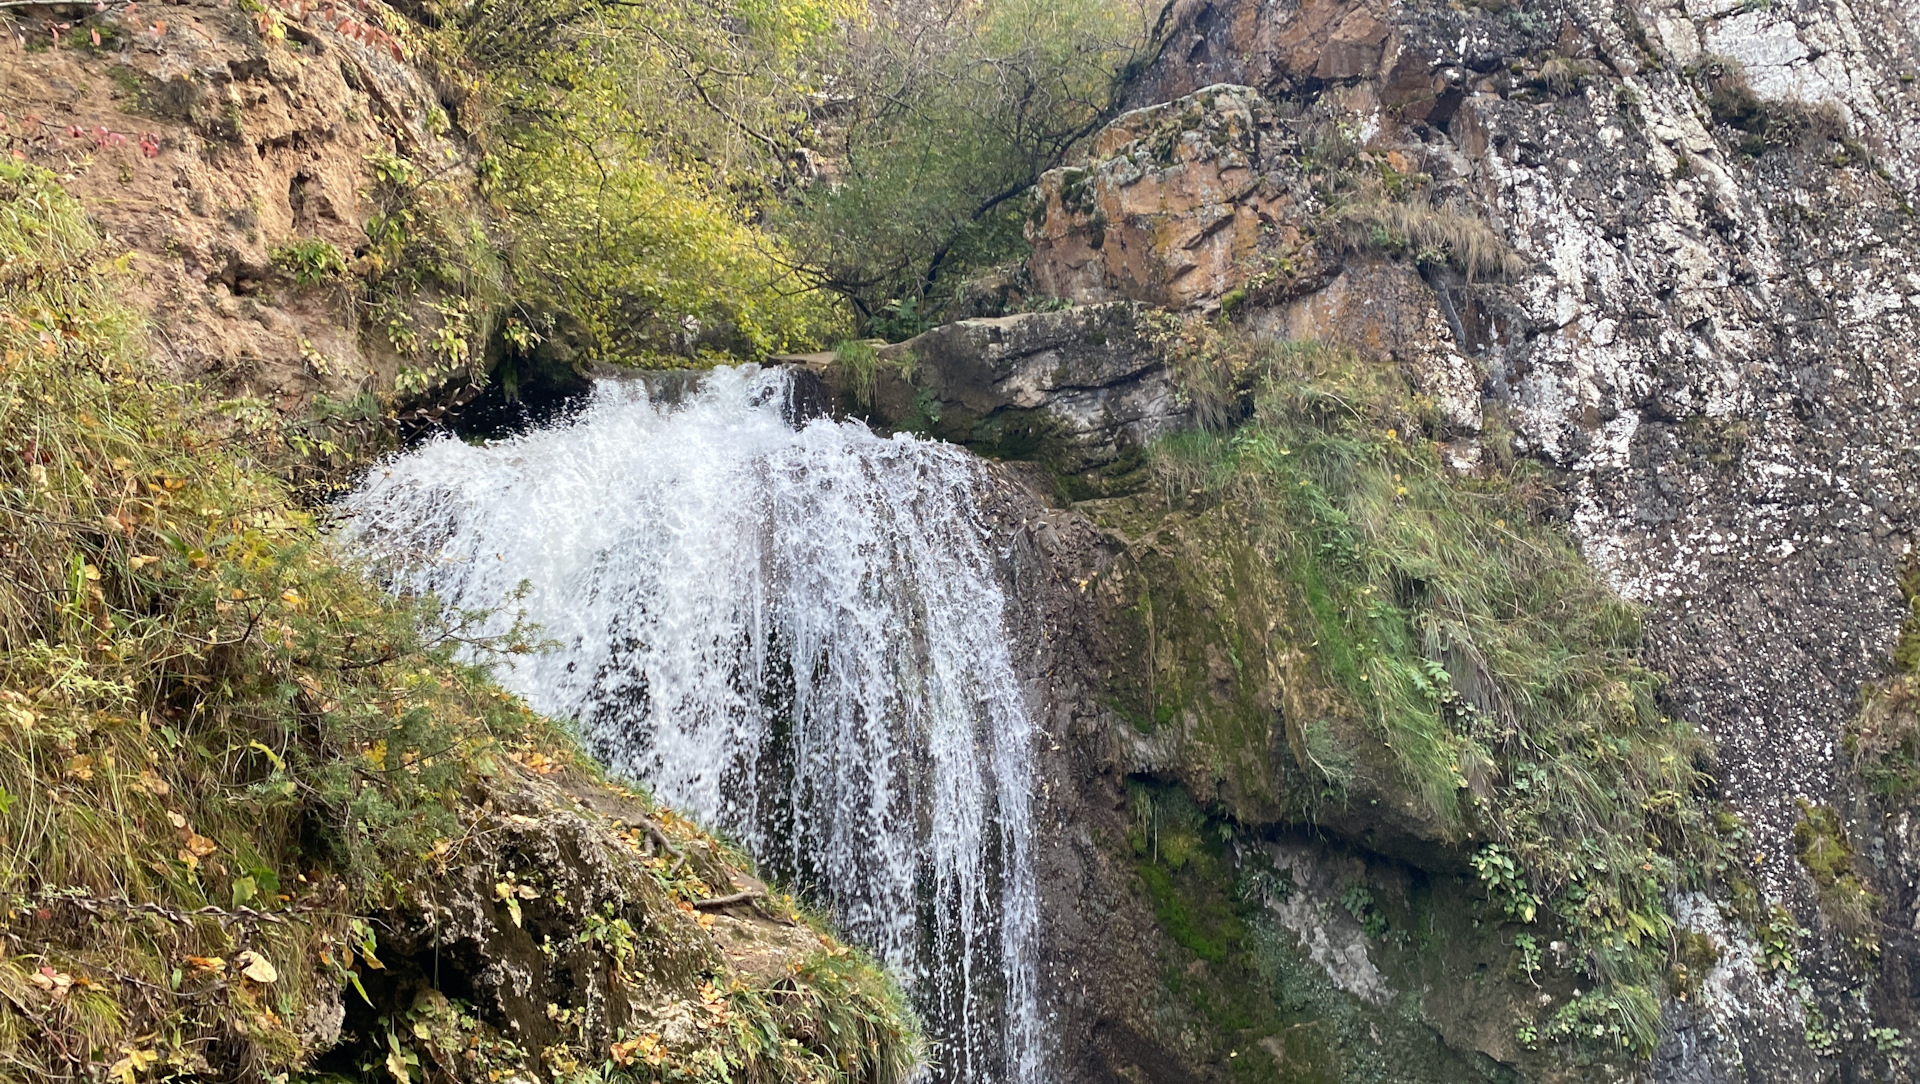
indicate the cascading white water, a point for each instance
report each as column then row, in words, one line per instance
column 793, row 633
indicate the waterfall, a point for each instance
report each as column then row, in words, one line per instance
column 791, row 631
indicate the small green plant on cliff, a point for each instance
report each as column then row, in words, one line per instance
column 1471, row 643
column 1884, row 739
column 859, row 364
column 1446, row 234
column 1379, row 203
column 309, row 261
column 1820, row 841
column 1763, row 124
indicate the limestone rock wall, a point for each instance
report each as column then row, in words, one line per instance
column 1709, row 328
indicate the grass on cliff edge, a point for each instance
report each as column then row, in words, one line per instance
column 218, row 746
column 1474, row 642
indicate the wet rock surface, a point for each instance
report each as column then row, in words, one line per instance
column 1259, row 957
column 1082, row 390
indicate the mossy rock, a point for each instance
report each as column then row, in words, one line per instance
column 1216, row 673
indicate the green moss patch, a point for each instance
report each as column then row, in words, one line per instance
column 1418, row 637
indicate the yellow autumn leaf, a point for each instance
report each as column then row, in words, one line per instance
column 131, row 1065
column 141, row 560
column 200, row 846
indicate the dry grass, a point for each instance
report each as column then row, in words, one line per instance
column 1449, row 234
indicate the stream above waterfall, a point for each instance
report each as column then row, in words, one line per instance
column 789, row 629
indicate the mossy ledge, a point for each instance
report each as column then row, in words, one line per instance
column 1322, row 626
column 260, row 823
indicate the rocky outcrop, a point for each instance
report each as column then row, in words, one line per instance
column 1195, row 927
column 1081, row 390
column 1667, row 250
column 576, row 924
column 228, row 150
column 1173, row 206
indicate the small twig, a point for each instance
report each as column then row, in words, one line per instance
column 660, row 836
column 718, row 902
column 243, row 916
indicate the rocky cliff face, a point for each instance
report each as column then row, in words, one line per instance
column 235, row 152
column 1668, row 249
column 1712, row 335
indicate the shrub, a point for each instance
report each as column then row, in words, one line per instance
column 308, row 261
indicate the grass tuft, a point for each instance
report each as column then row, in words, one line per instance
column 1445, row 234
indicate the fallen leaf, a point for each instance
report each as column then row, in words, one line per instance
column 81, row 767
column 141, row 560
column 134, row 1061
column 207, row 963
column 200, row 845
column 176, row 819
column 255, row 966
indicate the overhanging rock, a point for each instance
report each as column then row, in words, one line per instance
column 1081, row 391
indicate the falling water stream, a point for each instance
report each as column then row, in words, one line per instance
column 792, row 631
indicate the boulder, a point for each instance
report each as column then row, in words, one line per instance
column 1080, row 390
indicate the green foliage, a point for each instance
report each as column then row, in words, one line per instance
column 1884, row 739
column 1474, row 644
column 308, row 261
column 860, row 364
column 431, row 258
column 943, row 117
column 1357, row 898
column 1820, row 841
column 631, row 172
column 1506, row 883
column 205, row 715
column 1906, row 650
column 1527, row 949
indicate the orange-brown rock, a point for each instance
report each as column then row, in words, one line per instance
column 202, row 137
column 1173, row 208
